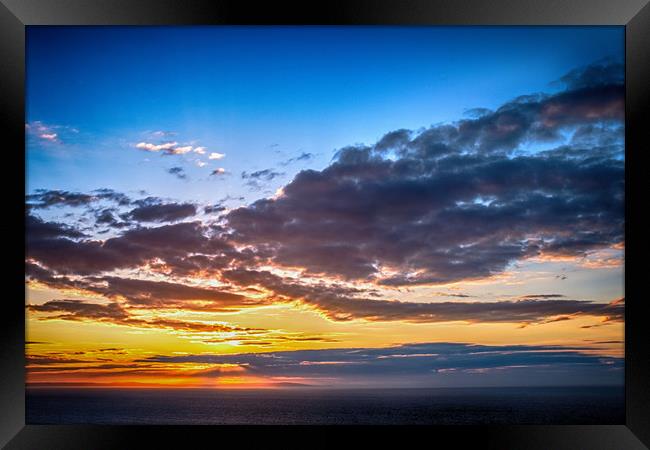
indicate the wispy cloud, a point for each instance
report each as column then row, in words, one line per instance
column 50, row 137
column 178, row 172
column 256, row 179
column 304, row 156
column 161, row 133
column 49, row 132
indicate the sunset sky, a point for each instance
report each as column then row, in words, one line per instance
column 325, row 206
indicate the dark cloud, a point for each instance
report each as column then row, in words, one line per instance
column 268, row 339
column 36, row 273
column 37, row 229
column 163, row 293
column 256, row 179
column 178, row 172
column 229, row 198
column 164, row 212
column 148, row 201
column 427, row 364
column 111, row 195
column 475, row 113
column 77, row 310
column 602, row 141
column 266, row 174
column 338, row 302
column 106, row 217
column 45, row 360
column 453, row 202
column 43, row 198
column 343, row 303
column 397, row 139
column 603, row 73
column 132, row 248
column 46, row 199
column 92, row 368
column 212, row 209
column 341, row 309
column 451, row 294
column 289, row 288
column 304, row 156
column 146, row 293
column 465, row 218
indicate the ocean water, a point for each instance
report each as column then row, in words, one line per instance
column 443, row 406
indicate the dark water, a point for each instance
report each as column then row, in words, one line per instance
column 565, row 405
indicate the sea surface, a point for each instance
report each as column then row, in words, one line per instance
column 443, row 406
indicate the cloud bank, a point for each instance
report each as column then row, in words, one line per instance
column 426, row 364
column 458, row 201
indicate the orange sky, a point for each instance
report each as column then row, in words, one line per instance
column 102, row 352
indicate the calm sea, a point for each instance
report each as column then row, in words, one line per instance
column 547, row 405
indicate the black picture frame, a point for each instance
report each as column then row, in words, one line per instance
column 16, row 14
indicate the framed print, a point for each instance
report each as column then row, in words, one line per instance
column 376, row 221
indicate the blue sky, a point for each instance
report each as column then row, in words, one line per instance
column 263, row 96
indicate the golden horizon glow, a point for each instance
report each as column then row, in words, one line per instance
column 285, row 326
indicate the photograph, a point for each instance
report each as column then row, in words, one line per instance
column 325, row 225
